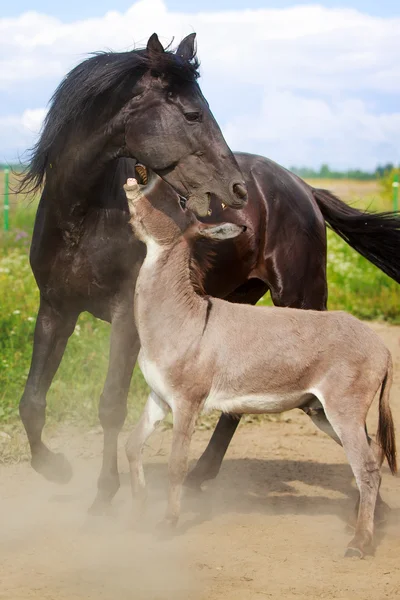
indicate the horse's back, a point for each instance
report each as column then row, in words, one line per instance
column 292, row 233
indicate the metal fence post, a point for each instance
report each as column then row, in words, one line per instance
column 6, row 200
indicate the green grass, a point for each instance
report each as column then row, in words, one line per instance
column 354, row 285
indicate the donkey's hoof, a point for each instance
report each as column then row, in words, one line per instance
column 53, row 466
column 353, row 553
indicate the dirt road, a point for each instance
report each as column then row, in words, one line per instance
column 273, row 525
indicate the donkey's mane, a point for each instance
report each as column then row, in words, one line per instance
column 103, row 82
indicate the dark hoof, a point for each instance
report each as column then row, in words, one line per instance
column 194, row 480
column 167, row 525
column 353, row 553
column 100, row 508
column 53, row 466
column 382, row 512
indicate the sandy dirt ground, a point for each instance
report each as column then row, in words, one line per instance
column 273, row 525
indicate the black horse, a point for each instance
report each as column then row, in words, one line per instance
column 147, row 105
column 85, row 258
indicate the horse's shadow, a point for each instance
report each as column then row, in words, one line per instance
column 270, row 487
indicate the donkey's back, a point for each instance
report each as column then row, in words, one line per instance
column 281, row 358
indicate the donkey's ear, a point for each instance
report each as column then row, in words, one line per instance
column 222, row 231
column 154, row 46
column 187, row 48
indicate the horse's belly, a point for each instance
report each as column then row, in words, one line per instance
column 254, row 403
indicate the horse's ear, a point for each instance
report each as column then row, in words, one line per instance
column 187, row 47
column 222, row 231
column 154, row 46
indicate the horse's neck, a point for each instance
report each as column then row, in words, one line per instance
column 81, row 164
column 72, row 193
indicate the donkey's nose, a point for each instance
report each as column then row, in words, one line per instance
column 240, row 191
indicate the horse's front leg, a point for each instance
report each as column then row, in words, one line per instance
column 112, row 408
column 209, row 463
column 53, row 328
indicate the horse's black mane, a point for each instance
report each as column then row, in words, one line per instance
column 106, row 81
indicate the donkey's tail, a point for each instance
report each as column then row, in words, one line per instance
column 374, row 235
column 385, row 436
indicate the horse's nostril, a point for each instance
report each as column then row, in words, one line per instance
column 239, row 189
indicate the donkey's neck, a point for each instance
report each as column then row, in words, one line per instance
column 166, row 274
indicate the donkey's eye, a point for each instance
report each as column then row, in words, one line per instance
column 194, row 117
column 182, row 202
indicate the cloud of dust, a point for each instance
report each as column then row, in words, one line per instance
column 51, row 549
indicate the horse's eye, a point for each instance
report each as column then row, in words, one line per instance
column 194, row 117
column 182, row 202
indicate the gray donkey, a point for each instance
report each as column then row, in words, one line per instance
column 201, row 353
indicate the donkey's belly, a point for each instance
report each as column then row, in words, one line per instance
column 255, row 403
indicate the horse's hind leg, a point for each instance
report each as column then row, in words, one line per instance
column 124, row 349
column 50, row 339
column 366, row 470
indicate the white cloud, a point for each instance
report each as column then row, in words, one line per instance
column 342, row 133
column 18, row 132
column 32, row 119
column 309, row 70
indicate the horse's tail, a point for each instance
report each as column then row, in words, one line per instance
column 386, row 435
column 374, row 235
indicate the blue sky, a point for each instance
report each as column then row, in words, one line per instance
column 304, row 83
column 76, row 9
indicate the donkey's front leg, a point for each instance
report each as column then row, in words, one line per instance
column 184, row 423
column 112, row 408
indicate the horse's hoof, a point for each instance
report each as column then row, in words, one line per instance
column 353, row 553
column 193, row 482
column 100, row 508
column 53, row 466
column 167, row 525
column 381, row 515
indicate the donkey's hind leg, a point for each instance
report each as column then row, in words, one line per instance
column 366, row 470
column 154, row 412
column 317, row 414
column 52, row 331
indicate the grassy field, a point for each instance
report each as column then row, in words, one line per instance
column 354, row 285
